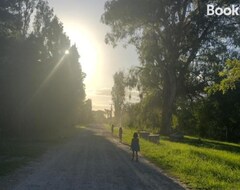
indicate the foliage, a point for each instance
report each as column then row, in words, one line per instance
column 143, row 115
column 99, row 116
column 214, row 116
column 118, row 93
column 42, row 88
column 230, row 75
column 174, row 39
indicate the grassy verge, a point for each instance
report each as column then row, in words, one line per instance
column 16, row 153
column 202, row 164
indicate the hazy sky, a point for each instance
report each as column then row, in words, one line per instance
column 81, row 20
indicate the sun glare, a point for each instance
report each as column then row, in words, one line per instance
column 87, row 48
column 67, row 52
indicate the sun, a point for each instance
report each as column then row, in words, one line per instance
column 87, row 48
column 67, row 52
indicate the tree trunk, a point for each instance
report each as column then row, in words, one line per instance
column 169, row 96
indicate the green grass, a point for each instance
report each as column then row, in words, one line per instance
column 204, row 164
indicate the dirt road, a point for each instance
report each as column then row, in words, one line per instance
column 93, row 160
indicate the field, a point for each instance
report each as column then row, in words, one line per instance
column 204, row 164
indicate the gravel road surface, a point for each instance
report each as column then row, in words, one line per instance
column 92, row 160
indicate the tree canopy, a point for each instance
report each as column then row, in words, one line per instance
column 42, row 88
column 118, row 93
column 176, row 39
column 230, row 75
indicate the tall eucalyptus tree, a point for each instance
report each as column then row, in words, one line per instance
column 173, row 36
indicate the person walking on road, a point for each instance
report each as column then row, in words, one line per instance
column 120, row 132
column 135, row 146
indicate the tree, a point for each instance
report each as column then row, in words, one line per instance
column 8, row 26
column 42, row 21
column 42, row 89
column 8, row 18
column 173, row 37
column 25, row 9
column 230, row 76
column 118, row 93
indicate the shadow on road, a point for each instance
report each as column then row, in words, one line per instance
column 89, row 161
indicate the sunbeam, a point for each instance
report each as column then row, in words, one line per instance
column 43, row 84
